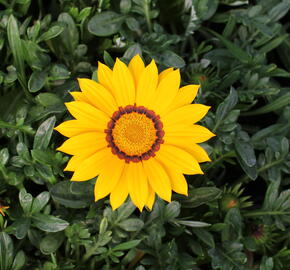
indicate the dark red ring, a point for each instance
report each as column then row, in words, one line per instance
column 141, row 110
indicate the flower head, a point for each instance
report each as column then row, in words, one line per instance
column 135, row 129
column 2, row 209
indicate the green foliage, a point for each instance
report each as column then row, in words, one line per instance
column 236, row 215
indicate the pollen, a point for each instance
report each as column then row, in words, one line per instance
column 134, row 133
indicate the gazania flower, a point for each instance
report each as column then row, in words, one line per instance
column 2, row 209
column 136, row 131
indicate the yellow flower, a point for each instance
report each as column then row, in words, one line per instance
column 2, row 209
column 136, row 131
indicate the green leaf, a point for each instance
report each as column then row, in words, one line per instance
column 133, row 24
column 230, row 79
column 171, row 211
column 6, row 251
column 205, row 8
column 125, row 210
column 51, row 242
column 103, row 225
column 125, row 6
column 109, row 61
column 170, row 59
column 40, row 201
column 279, row 11
column 274, row 105
column 229, row 27
column 16, row 48
column 229, row 256
column 106, row 23
column 49, row 223
column 233, row 230
column 37, row 80
column 251, row 172
column 4, row 156
column 266, row 263
column 34, row 55
column 204, row 236
column 131, row 224
column 22, row 151
column 19, row 261
column 236, row 51
column 132, row 51
column 199, row 196
column 52, row 32
column 41, row 156
column 194, row 224
column 84, row 13
column 43, row 134
column 273, row 44
column 225, row 107
column 48, row 99
column 25, row 200
column 127, row 245
column 246, row 152
column 63, row 194
column 20, row 227
column 59, row 72
column 265, row 132
column 69, row 36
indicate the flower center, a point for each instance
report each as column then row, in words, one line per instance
column 134, row 133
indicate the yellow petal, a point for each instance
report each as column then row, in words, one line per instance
column 105, row 77
column 98, row 95
column 138, row 184
column 151, row 198
column 158, row 178
column 178, row 159
column 92, row 166
column 198, row 152
column 124, row 84
column 109, row 177
column 75, row 162
column 120, row 192
column 74, row 127
column 196, row 133
column 88, row 114
column 164, row 73
column 178, row 181
column 86, row 143
column 185, row 96
column 147, row 85
column 166, row 92
column 136, row 66
column 79, row 96
column 187, row 144
column 185, row 115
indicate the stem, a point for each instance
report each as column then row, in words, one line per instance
column 265, row 213
column 147, row 15
column 89, row 253
column 24, row 129
column 53, row 258
column 269, row 165
column 216, row 126
column 3, row 171
column 28, row 95
column 12, row 4
column 212, row 164
column 265, row 167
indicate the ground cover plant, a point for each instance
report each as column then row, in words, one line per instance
column 236, row 215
